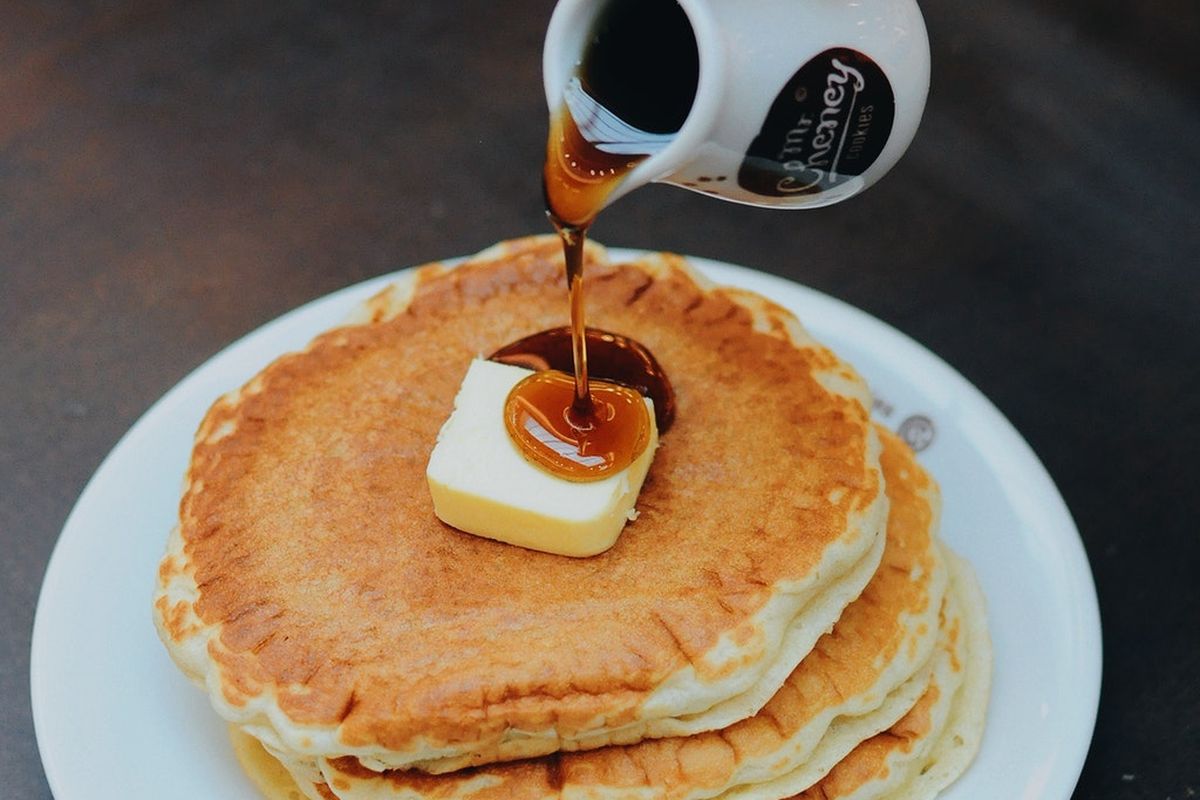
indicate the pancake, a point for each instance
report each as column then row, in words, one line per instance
column 310, row 588
column 956, row 746
column 268, row 775
column 934, row 743
column 871, row 667
column 916, row 743
column 933, row 728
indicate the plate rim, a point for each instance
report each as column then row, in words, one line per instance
column 1068, row 544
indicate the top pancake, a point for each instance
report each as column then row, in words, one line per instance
column 312, row 589
column 883, row 639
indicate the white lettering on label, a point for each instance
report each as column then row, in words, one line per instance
column 804, row 174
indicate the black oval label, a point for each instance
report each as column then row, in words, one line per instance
column 828, row 124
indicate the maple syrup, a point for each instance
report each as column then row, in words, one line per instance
column 613, row 357
column 541, row 418
column 635, row 86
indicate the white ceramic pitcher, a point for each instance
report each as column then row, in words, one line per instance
column 799, row 103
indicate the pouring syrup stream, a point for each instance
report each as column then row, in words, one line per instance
column 633, row 91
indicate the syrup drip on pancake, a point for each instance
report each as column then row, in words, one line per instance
column 611, row 356
column 628, row 96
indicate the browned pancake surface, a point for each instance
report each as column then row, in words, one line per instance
column 309, row 525
column 845, row 663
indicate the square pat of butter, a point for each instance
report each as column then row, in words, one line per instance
column 482, row 484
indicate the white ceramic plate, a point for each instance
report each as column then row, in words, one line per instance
column 115, row 719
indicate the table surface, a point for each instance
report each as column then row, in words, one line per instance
column 174, row 175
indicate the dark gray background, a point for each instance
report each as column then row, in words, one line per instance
column 172, row 175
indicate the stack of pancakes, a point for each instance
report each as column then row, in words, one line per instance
column 779, row 621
